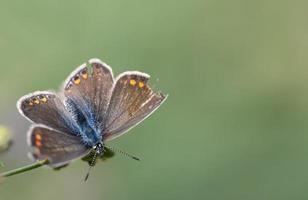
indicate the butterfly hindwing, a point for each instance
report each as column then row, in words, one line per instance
column 47, row 108
column 59, row 148
column 132, row 101
column 89, row 89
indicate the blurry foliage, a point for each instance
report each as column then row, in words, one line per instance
column 5, row 138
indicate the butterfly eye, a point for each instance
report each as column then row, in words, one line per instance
column 84, row 74
column 76, row 80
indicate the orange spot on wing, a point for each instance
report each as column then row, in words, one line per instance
column 141, row 84
column 84, row 75
column 29, row 102
column 38, row 137
column 76, row 80
column 43, row 99
column 132, row 82
column 36, row 101
column 38, row 143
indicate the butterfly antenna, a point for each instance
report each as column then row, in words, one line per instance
column 90, row 167
column 123, row 153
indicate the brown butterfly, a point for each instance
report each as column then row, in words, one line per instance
column 92, row 108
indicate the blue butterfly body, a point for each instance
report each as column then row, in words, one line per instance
column 85, row 125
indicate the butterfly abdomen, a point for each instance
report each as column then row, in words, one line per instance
column 89, row 136
column 86, row 129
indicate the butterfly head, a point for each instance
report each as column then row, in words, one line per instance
column 99, row 148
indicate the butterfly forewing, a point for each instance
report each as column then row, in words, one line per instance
column 132, row 101
column 90, row 90
column 147, row 108
column 47, row 108
column 59, row 148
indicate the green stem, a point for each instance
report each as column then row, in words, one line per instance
column 25, row 168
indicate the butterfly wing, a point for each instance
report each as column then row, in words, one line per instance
column 110, row 107
column 89, row 90
column 47, row 108
column 132, row 101
column 59, row 148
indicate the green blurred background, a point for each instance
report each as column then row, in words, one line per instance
column 234, row 126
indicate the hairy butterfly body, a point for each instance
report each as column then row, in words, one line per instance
column 92, row 108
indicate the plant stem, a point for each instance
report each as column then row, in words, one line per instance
column 25, row 168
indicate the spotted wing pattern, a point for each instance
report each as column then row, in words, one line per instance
column 59, row 148
column 132, row 101
column 89, row 89
column 47, row 108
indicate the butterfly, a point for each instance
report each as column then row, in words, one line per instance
column 92, row 108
